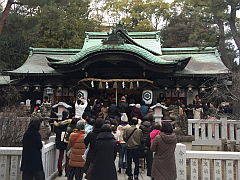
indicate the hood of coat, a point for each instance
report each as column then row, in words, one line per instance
column 168, row 138
column 34, row 124
column 136, row 110
column 78, row 131
column 154, row 133
column 105, row 136
column 147, row 124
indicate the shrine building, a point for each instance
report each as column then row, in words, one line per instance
column 119, row 62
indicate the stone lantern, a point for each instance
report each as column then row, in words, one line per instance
column 61, row 106
column 158, row 112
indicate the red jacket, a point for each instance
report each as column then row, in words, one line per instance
column 136, row 112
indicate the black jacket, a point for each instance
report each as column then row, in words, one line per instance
column 123, row 107
column 91, row 138
column 32, row 145
column 104, row 157
column 149, row 157
column 146, row 129
column 58, row 130
column 111, row 111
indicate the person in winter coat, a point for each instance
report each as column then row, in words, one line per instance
column 88, row 129
column 111, row 110
column 164, row 145
column 97, row 107
column 80, row 106
column 132, row 145
column 146, row 128
column 123, row 125
column 31, row 164
column 76, row 161
column 60, row 144
column 131, row 105
column 197, row 112
column 105, row 154
column 189, row 112
column 156, row 131
column 123, row 106
column 91, row 139
column 116, row 133
column 144, row 108
column 149, row 156
column 136, row 112
column 104, row 109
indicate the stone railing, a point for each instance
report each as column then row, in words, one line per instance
column 209, row 131
column 216, row 165
column 10, row 158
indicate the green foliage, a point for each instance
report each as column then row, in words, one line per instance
column 52, row 24
column 64, row 26
column 146, row 14
column 188, row 30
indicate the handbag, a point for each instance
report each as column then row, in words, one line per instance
column 69, row 151
column 88, row 174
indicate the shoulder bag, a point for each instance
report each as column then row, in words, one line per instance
column 131, row 134
column 69, row 151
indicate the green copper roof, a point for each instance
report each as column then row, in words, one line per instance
column 147, row 40
column 125, row 47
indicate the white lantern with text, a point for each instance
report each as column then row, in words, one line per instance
column 147, row 96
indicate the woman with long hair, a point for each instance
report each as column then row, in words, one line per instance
column 164, row 144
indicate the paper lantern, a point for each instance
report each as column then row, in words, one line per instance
column 82, row 93
column 147, row 96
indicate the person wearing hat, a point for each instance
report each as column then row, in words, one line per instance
column 123, row 106
column 136, row 112
column 123, row 125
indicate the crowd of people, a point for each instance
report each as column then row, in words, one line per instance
column 94, row 135
column 95, row 131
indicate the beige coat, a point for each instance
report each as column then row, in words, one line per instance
column 164, row 167
column 197, row 113
column 121, row 129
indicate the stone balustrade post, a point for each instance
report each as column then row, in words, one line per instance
column 180, row 158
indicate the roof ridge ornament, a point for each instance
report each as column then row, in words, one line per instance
column 114, row 37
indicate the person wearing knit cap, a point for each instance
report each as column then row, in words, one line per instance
column 123, row 106
column 123, row 125
column 136, row 112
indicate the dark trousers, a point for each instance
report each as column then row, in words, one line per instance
column 60, row 159
column 133, row 154
column 39, row 175
column 75, row 171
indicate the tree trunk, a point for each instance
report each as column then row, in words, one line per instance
column 232, row 23
column 5, row 14
column 222, row 49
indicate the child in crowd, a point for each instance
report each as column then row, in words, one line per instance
column 88, row 129
column 156, row 131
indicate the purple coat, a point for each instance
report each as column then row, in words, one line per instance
column 97, row 109
column 136, row 112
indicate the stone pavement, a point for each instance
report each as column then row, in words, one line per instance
column 121, row 176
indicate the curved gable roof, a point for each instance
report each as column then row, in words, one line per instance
column 103, row 48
